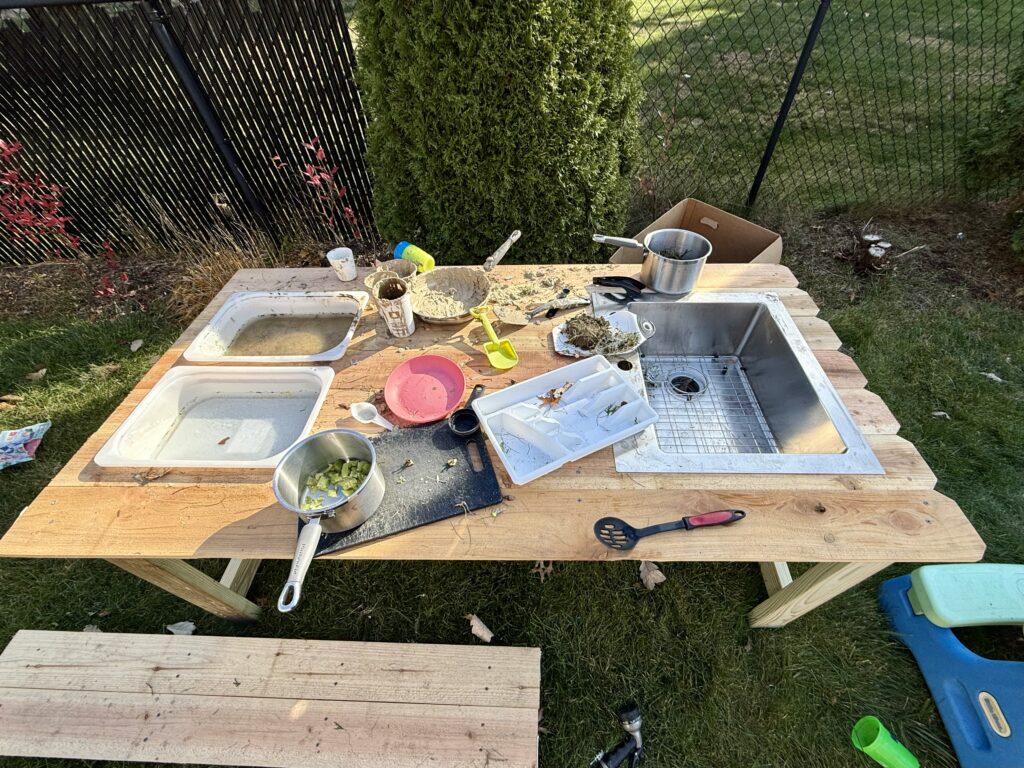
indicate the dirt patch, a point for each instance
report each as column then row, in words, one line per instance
column 735, row 62
column 181, row 282
column 83, row 286
column 965, row 247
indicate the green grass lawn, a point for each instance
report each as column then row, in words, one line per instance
column 889, row 95
column 714, row 693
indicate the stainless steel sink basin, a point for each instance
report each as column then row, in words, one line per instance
column 736, row 389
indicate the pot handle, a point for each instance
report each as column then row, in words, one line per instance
column 478, row 390
column 618, row 242
column 305, row 548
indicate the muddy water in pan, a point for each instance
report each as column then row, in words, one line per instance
column 290, row 335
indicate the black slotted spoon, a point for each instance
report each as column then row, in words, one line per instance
column 616, row 533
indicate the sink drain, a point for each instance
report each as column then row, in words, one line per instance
column 687, row 383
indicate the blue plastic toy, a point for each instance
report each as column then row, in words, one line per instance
column 981, row 700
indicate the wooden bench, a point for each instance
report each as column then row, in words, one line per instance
column 259, row 702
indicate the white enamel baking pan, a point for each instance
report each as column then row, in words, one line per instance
column 241, row 309
column 219, row 416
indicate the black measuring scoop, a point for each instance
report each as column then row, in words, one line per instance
column 618, row 534
column 464, row 422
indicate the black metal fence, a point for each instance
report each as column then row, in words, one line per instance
column 892, row 90
column 101, row 107
column 99, row 103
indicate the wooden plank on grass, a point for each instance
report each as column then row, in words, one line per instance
column 283, row 733
column 479, row 676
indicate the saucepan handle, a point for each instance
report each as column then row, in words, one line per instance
column 305, row 548
column 618, row 242
column 478, row 390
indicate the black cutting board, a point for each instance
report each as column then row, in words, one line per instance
column 427, row 491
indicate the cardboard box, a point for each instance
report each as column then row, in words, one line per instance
column 733, row 240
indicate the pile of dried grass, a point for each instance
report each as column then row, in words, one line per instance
column 199, row 264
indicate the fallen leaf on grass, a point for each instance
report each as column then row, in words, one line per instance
column 543, row 568
column 91, row 628
column 136, row 345
column 103, row 371
column 478, row 628
column 7, row 406
column 650, row 574
column 182, row 628
column 992, row 377
column 540, row 718
column 11, row 398
column 36, row 375
column 940, row 414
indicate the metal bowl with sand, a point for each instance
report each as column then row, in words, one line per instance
column 444, row 295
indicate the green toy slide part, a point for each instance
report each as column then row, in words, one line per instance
column 969, row 594
column 872, row 738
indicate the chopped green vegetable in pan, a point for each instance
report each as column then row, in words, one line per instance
column 341, row 475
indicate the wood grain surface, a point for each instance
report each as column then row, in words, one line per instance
column 264, row 702
column 88, row 511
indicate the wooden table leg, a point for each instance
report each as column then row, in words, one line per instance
column 239, row 574
column 187, row 582
column 776, row 576
column 816, row 586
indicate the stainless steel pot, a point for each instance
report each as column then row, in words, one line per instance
column 306, row 458
column 673, row 258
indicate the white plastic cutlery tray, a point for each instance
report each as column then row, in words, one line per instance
column 538, row 425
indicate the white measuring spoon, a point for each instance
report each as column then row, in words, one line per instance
column 367, row 413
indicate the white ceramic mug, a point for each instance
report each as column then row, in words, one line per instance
column 343, row 262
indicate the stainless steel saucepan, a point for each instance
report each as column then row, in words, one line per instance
column 673, row 258
column 306, row 458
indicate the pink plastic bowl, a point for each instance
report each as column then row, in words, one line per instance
column 424, row 389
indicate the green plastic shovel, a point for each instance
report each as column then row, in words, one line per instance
column 500, row 352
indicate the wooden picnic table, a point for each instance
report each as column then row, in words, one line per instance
column 849, row 526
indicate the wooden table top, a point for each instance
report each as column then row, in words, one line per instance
column 88, row 511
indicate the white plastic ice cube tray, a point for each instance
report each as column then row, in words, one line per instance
column 219, row 416
column 244, row 307
column 533, row 438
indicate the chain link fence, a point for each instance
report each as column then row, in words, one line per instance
column 891, row 92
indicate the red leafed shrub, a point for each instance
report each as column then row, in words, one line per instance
column 31, row 210
column 327, row 191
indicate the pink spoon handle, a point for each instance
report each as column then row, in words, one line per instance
column 721, row 517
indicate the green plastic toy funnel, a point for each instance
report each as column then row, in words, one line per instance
column 872, row 738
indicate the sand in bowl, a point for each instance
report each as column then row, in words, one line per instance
column 290, row 335
column 448, row 293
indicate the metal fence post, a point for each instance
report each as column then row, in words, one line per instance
column 787, row 101
column 168, row 42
